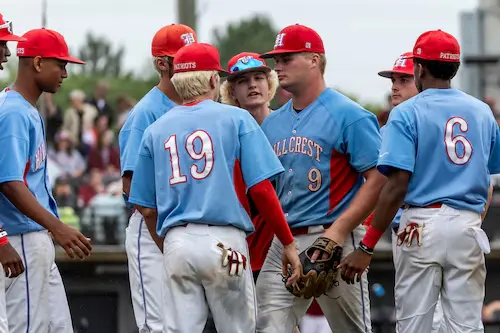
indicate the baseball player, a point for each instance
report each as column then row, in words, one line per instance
column 35, row 301
column 251, row 85
column 438, row 151
column 193, row 171
column 404, row 88
column 327, row 145
column 9, row 258
column 145, row 273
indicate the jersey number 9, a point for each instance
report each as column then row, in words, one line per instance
column 206, row 153
column 315, row 179
column 458, row 148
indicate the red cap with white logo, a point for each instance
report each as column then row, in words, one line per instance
column 45, row 43
column 437, row 45
column 296, row 38
column 402, row 65
column 169, row 39
column 197, row 57
column 6, row 34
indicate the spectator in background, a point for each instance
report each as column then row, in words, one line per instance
column 69, row 160
column 93, row 187
column 492, row 104
column 100, row 126
column 52, row 115
column 104, row 156
column 124, row 104
column 100, row 101
column 63, row 192
column 79, row 117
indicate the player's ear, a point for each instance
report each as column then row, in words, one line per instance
column 315, row 60
column 215, row 81
column 161, row 65
column 37, row 64
column 418, row 70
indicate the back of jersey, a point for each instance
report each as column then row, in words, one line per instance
column 200, row 155
column 453, row 136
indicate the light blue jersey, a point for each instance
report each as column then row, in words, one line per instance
column 151, row 107
column 23, row 158
column 191, row 161
column 395, row 220
column 450, row 142
column 324, row 149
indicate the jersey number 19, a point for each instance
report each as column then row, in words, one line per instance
column 206, row 153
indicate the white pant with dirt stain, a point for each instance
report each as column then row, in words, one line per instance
column 196, row 282
column 346, row 307
column 449, row 263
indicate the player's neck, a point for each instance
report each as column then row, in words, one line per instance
column 308, row 94
column 198, row 99
column 29, row 90
column 168, row 89
column 259, row 113
column 436, row 84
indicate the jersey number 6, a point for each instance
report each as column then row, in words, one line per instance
column 458, row 148
column 206, row 152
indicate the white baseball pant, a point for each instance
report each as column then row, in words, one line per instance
column 145, row 271
column 438, row 312
column 36, row 300
column 196, row 282
column 346, row 307
column 314, row 324
column 4, row 325
column 449, row 263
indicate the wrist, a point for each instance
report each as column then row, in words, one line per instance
column 372, row 237
column 365, row 249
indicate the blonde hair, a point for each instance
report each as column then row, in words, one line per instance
column 227, row 98
column 193, row 84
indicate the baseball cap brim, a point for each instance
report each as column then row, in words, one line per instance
column 12, row 38
column 388, row 74
column 264, row 69
column 273, row 53
column 72, row 60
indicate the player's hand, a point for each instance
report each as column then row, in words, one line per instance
column 354, row 265
column 72, row 241
column 291, row 257
column 323, row 255
column 11, row 261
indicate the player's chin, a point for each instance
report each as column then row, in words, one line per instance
column 52, row 89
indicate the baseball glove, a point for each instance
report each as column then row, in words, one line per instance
column 319, row 277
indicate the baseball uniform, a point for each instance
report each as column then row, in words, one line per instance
column 324, row 149
column 143, row 255
column 191, row 167
column 260, row 240
column 36, row 299
column 450, row 143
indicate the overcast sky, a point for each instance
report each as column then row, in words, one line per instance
column 361, row 37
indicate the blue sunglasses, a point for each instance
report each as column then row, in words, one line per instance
column 246, row 63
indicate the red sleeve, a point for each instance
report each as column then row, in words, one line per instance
column 268, row 205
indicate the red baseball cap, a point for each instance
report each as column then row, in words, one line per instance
column 296, row 38
column 169, row 39
column 6, row 34
column 45, row 43
column 197, row 57
column 437, row 45
column 246, row 62
column 402, row 65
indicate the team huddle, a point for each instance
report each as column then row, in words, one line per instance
column 245, row 215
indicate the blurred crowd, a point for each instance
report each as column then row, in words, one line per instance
column 84, row 161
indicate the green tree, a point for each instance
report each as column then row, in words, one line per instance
column 101, row 58
column 255, row 34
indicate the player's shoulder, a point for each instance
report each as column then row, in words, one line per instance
column 14, row 106
column 342, row 108
column 154, row 104
column 278, row 114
